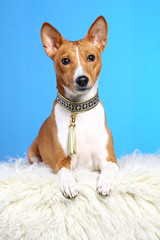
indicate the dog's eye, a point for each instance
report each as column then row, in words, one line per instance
column 65, row 61
column 91, row 58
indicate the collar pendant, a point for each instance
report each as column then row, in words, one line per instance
column 74, row 108
column 72, row 135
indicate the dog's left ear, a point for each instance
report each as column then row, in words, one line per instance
column 97, row 33
column 51, row 39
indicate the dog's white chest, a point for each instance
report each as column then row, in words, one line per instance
column 91, row 136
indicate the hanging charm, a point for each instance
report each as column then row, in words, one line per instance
column 75, row 108
column 72, row 135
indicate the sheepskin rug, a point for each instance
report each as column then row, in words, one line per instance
column 33, row 208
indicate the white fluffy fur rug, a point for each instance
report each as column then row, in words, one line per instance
column 33, row 208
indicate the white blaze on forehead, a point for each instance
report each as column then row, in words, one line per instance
column 79, row 64
column 79, row 71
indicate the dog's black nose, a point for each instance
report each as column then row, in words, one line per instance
column 82, row 81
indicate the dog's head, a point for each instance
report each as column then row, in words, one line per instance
column 77, row 63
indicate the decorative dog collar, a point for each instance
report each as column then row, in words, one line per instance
column 74, row 108
column 77, row 107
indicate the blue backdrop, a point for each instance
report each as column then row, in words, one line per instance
column 129, row 81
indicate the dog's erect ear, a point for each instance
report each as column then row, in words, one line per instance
column 97, row 33
column 51, row 39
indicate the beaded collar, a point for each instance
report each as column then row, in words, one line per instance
column 77, row 107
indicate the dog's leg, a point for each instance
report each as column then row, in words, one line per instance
column 69, row 186
column 105, row 181
column 33, row 153
column 109, row 168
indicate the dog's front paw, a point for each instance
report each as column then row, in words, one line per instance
column 105, row 185
column 69, row 186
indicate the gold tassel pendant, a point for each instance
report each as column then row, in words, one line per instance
column 72, row 135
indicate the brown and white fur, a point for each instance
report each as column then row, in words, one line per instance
column 94, row 139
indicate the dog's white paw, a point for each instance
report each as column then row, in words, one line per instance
column 69, row 186
column 105, row 183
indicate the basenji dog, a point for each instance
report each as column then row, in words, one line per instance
column 76, row 134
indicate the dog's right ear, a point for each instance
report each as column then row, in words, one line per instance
column 97, row 33
column 51, row 39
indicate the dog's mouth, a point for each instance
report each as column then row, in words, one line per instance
column 82, row 89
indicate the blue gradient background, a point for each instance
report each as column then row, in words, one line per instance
column 129, row 81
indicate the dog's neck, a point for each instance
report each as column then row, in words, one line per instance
column 79, row 96
column 77, row 107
